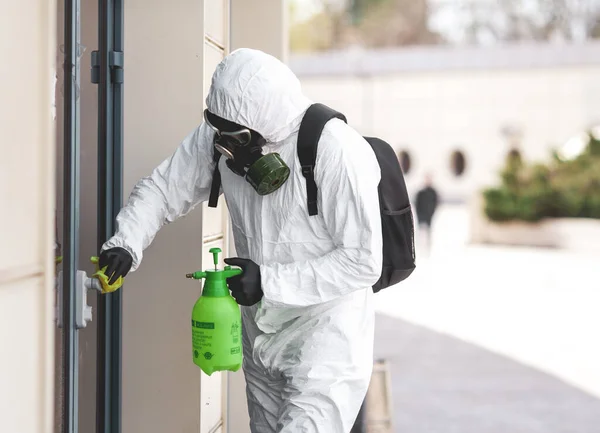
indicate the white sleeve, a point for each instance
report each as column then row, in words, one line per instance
column 174, row 188
column 347, row 175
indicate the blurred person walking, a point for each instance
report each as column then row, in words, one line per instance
column 426, row 204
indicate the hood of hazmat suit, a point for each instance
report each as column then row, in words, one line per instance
column 308, row 344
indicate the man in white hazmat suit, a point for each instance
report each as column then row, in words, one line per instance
column 306, row 296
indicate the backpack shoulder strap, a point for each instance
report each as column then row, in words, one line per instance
column 215, row 186
column 313, row 122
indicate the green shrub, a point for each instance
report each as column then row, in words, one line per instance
column 560, row 188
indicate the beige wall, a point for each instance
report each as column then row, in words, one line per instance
column 431, row 114
column 167, row 74
column 270, row 35
column 261, row 24
column 163, row 102
column 27, row 45
column 165, row 70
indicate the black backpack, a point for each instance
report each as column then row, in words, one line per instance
column 396, row 215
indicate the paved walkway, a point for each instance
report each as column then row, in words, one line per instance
column 493, row 339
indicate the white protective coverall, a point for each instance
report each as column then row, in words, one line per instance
column 308, row 344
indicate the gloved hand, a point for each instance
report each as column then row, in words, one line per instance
column 245, row 288
column 118, row 262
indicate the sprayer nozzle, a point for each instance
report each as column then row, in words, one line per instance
column 189, row 275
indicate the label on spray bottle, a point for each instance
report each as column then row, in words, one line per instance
column 222, row 346
column 201, row 339
column 235, row 338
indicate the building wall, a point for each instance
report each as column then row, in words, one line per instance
column 167, row 68
column 271, row 38
column 167, row 73
column 431, row 114
column 171, row 50
column 27, row 43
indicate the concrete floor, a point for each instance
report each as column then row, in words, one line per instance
column 493, row 339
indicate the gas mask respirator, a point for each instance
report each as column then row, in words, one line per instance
column 243, row 150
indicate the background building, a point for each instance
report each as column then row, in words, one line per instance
column 457, row 111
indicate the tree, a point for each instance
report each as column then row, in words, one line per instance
column 370, row 23
column 522, row 20
column 388, row 23
column 324, row 30
column 565, row 188
column 392, row 23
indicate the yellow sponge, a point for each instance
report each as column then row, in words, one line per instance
column 103, row 278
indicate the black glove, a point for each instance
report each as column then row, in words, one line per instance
column 118, row 262
column 245, row 288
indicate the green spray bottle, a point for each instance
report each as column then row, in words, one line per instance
column 216, row 321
